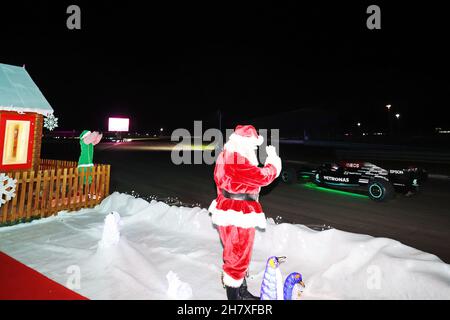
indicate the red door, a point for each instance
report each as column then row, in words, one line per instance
column 16, row 140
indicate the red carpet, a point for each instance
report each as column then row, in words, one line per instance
column 19, row 282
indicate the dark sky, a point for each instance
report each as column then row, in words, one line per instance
column 167, row 65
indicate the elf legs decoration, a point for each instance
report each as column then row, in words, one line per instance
column 86, row 161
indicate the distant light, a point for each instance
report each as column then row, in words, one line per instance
column 397, row 115
column 118, row 124
column 388, row 106
column 359, row 124
column 161, row 129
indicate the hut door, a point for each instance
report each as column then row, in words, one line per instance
column 16, row 141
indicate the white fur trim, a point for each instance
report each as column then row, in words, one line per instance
column 243, row 147
column 275, row 161
column 236, row 218
column 85, row 165
column 230, row 281
column 84, row 135
column 247, row 140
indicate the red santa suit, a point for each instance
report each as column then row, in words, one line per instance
column 236, row 210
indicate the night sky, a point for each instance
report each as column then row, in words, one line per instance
column 165, row 66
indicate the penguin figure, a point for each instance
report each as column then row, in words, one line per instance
column 293, row 286
column 272, row 284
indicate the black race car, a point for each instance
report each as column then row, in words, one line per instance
column 359, row 176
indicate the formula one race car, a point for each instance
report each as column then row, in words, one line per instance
column 363, row 177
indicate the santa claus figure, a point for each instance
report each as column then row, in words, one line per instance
column 236, row 211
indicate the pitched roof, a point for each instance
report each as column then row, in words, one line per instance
column 18, row 92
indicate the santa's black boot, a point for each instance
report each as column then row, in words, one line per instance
column 233, row 293
column 245, row 294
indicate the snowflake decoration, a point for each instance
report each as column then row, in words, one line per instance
column 7, row 188
column 50, row 122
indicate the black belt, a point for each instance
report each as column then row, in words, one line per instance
column 240, row 196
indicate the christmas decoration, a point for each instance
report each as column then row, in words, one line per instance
column 272, row 287
column 272, row 284
column 236, row 210
column 293, row 286
column 50, row 122
column 88, row 140
column 7, row 188
column 178, row 289
column 111, row 230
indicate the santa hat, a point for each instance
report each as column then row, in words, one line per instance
column 246, row 134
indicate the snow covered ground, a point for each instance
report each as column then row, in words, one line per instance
column 159, row 242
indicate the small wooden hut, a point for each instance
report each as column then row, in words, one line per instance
column 32, row 187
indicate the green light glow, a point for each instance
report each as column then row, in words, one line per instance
column 305, row 177
column 311, row 185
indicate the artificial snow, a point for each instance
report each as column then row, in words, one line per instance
column 157, row 245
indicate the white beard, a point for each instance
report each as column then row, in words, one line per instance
column 247, row 150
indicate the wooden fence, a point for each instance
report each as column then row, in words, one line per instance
column 46, row 164
column 58, row 185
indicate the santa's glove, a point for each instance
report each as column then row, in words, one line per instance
column 273, row 159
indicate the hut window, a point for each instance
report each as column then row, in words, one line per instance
column 15, row 150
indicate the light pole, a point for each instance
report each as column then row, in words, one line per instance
column 388, row 107
column 358, row 124
column 397, row 116
column 219, row 114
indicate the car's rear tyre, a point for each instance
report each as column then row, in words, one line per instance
column 289, row 175
column 414, row 190
column 380, row 190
